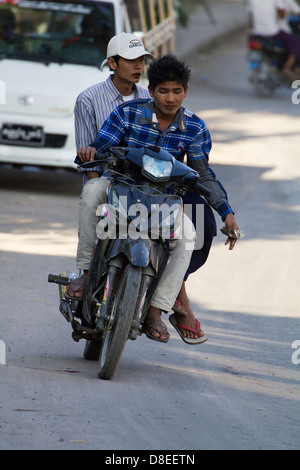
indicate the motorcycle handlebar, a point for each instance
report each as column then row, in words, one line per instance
column 63, row 280
column 199, row 188
column 99, row 157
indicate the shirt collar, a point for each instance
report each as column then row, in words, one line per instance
column 178, row 123
column 114, row 93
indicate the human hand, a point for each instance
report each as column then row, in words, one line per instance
column 231, row 225
column 86, row 154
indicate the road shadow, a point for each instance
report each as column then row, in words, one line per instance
column 252, row 194
column 265, row 208
column 38, row 180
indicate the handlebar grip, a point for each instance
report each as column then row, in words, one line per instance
column 101, row 157
column 98, row 159
column 63, row 280
column 202, row 190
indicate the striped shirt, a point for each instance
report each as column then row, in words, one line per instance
column 134, row 124
column 94, row 105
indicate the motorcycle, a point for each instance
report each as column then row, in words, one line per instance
column 134, row 240
column 266, row 57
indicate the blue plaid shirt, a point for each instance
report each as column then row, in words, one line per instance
column 134, row 124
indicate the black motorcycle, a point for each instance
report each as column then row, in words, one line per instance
column 266, row 57
column 133, row 245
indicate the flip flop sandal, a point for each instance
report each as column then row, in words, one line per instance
column 158, row 326
column 179, row 308
column 179, row 328
column 76, row 286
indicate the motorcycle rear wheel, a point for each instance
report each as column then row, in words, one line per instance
column 92, row 349
column 118, row 326
column 263, row 80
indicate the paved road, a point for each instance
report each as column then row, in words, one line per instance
column 240, row 390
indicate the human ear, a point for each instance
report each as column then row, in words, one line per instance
column 111, row 63
column 151, row 91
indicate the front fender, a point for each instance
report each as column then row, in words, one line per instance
column 140, row 252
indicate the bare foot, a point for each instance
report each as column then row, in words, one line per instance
column 189, row 318
column 77, row 287
column 156, row 329
column 190, row 321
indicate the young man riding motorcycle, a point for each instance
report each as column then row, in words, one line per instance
column 94, row 105
column 160, row 121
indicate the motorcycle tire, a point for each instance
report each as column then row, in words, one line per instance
column 118, row 327
column 92, row 349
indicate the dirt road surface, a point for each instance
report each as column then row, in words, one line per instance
column 239, row 390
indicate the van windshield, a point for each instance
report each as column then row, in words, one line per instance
column 60, row 31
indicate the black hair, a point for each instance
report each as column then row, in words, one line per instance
column 168, row 69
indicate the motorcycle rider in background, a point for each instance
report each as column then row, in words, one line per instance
column 266, row 19
column 291, row 8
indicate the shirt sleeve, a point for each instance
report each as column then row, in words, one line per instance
column 197, row 158
column 280, row 4
column 85, row 124
column 111, row 133
column 293, row 7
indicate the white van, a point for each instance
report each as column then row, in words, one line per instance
column 49, row 53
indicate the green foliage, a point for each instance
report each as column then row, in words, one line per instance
column 184, row 8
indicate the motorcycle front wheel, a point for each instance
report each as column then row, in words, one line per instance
column 119, row 324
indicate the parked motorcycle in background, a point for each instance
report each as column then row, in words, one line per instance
column 266, row 58
column 129, row 260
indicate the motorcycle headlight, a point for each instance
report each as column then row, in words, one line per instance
column 156, row 170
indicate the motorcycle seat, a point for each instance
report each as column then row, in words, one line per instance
column 267, row 43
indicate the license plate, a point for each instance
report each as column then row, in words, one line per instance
column 254, row 59
column 18, row 134
column 254, row 56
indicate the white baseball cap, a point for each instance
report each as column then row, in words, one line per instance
column 126, row 45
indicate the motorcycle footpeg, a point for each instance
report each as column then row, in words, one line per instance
column 62, row 280
column 133, row 335
column 101, row 324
